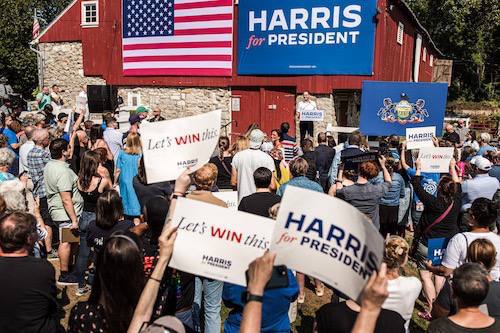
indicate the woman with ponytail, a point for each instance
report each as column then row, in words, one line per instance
column 223, row 163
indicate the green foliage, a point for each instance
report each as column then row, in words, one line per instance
column 467, row 31
column 17, row 61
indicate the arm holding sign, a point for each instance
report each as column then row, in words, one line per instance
column 374, row 295
column 144, row 308
column 259, row 273
column 453, row 171
column 403, row 156
column 387, row 175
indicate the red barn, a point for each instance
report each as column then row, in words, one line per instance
column 83, row 45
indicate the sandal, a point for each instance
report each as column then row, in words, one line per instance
column 425, row 315
column 320, row 291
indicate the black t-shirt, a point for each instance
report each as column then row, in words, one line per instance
column 146, row 192
column 259, row 203
column 27, row 296
column 96, row 236
column 86, row 317
column 339, row 318
column 444, row 325
column 224, row 171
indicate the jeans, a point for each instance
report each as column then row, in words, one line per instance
column 186, row 317
column 84, row 251
column 212, row 298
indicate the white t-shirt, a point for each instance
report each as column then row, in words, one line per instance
column 306, row 106
column 456, row 251
column 403, row 293
column 246, row 162
column 23, row 155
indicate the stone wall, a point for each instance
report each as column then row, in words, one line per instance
column 63, row 65
column 182, row 102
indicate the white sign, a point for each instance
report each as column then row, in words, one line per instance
column 328, row 239
column 229, row 197
column 420, row 137
column 171, row 146
column 216, row 242
column 436, row 159
column 312, row 115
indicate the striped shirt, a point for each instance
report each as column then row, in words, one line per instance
column 289, row 147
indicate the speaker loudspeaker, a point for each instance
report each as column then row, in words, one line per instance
column 102, row 98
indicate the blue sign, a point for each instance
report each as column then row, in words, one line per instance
column 436, row 247
column 297, row 37
column 392, row 107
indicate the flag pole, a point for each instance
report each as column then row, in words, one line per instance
column 34, row 47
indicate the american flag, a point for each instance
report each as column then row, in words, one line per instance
column 36, row 28
column 177, row 37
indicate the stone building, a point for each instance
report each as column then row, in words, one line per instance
column 83, row 46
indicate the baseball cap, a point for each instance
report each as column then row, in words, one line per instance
column 134, row 119
column 141, row 109
column 61, row 116
column 256, row 138
column 481, row 163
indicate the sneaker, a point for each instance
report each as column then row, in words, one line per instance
column 67, row 280
column 83, row 290
column 52, row 255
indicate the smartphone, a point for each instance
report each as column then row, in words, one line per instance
column 279, row 278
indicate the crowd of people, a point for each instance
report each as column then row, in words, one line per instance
column 89, row 180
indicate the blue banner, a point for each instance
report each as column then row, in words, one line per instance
column 391, row 107
column 436, row 247
column 298, row 37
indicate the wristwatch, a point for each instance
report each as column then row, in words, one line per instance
column 255, row 298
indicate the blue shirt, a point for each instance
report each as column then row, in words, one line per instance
column 484, row 149
column 274, row 307
column 11, row 138
column 430, row 181
column 396, row 191
column 302, row 182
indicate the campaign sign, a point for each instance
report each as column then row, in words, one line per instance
column 171, row 146
column 298, row 37
column 328, row 239
column 392, row 107
column 436, row 247
column 312, row 115
column 229, row 197
column 435, row 159
column 216, row 242
column 420, row 137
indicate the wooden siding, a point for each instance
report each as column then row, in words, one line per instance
column 102, row 54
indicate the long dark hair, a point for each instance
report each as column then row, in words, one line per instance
column 96, row 133
column 119, row 280
column 223, row 146
column 88, row 168
column 447, row 189
column 109, row 209
column 141, row 172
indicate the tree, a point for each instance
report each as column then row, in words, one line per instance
column 17, row 61
column 467, row 31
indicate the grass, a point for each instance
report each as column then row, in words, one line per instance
column 305, row 312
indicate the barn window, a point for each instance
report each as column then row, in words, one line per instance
column 401, row 30
column 431, row 60
column 425, row 55
column 90, row 13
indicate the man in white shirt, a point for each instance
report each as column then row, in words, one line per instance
column 246, row 162
column 306, row 127
column 25, row 149
column 113, row 137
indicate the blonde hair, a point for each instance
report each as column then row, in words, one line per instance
column 204, row 178
column 482, row 251
column 396, row 252
column 240, row 144
column 133, row 144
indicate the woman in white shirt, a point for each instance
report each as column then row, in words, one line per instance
column 403, row 290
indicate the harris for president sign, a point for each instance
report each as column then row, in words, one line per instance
column 306, row 37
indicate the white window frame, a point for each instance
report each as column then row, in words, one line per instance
column 84, row 17
column 431, row 60
column 401, row 33
column 424, row 57
column 130, row 99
